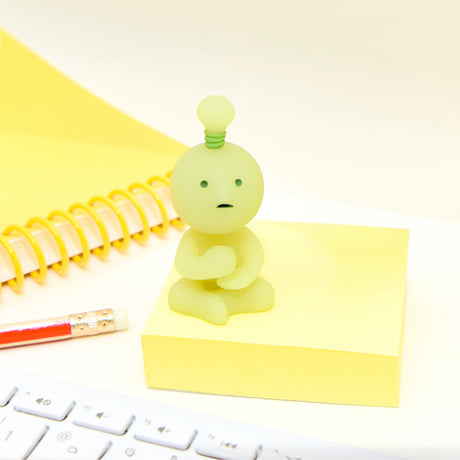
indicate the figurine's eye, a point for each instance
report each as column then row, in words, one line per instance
column 238, row 182
column 204, row 183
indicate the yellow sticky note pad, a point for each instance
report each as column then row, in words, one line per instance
column 334, row 335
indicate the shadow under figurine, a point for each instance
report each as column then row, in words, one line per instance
column 217, row 188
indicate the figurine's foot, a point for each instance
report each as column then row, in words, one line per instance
column 191, row 298
column 258, row 297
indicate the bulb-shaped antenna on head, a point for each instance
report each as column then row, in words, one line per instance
column 215, row 113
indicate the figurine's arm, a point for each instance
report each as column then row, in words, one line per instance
column 252, row 259
column 216, row 262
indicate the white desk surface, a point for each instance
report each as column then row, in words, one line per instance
column 351, row 109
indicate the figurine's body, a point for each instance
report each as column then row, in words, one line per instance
column 220, row 276
column 217, row 188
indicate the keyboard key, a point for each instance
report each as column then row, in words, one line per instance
column 226, row 447
column 103, row 419
column 71, row 443
column 6, row 393
column 43, row 405
column 193, row 456
column 19, row 436
column 132, row 449
column 171, row 434
column 275, row 454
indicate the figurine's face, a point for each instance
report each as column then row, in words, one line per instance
column 217, row 191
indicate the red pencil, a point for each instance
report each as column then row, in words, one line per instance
column 63, row 327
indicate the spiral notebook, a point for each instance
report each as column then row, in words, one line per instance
column 64, row 149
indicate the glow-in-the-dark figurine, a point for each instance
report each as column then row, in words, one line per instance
column 217, row 188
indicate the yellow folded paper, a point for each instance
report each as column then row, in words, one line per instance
column 334, row 335
column 60, row 144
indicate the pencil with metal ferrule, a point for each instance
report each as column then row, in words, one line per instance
column 63, row 327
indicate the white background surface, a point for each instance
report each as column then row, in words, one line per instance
column 351, row 108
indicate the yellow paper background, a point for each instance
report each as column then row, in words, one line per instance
column 60, row 144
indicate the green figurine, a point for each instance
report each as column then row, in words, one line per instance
column 217, row 188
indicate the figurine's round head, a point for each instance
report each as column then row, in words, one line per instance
column 216, row 187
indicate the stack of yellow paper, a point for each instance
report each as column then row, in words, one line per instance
column 334, row 335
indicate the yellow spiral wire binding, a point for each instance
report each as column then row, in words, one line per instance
column 161, row 229
column 15, row 284
column 59, row 267
column 40, row 274
column 122, row 244
column 100, row 252
column 162, row 179
column 177, row 222
column 83, row 259
column 144, row 235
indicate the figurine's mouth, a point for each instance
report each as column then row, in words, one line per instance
column 225, row 205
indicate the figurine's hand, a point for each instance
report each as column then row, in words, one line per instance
column 251, row 264
column 239, row 279
column 221, row 260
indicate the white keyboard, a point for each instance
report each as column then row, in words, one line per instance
column 43, row 419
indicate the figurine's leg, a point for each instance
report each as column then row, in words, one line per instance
column 192, row 298
column 259, row 296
